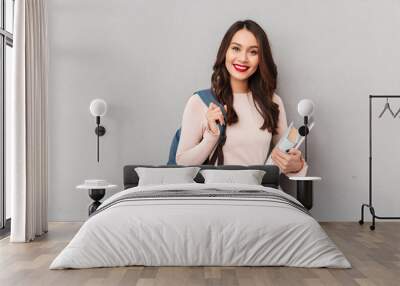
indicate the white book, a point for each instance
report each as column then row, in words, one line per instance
column 290, row 139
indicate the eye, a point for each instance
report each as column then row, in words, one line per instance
column 253, row 52
column 236, row 49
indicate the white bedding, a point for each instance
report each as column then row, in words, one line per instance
column 200, row 231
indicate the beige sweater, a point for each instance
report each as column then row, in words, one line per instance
column 246, row 143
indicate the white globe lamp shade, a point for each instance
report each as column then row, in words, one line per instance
column 305, row 107
column 98, row 107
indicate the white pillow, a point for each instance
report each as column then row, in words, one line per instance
column 162, row 176
column 249, row 177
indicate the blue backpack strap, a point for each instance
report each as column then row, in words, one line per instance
column 207, row 96
column 173, row 148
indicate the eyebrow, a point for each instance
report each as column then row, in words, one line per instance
column 234, row 43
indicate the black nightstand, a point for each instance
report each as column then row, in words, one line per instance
column 96, row 193
column 305, row 190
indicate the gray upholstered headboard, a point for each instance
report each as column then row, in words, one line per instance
column 270, row 179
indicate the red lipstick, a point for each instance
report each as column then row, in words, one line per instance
column 240, row 68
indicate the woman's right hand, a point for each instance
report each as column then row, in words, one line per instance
column 214, row 116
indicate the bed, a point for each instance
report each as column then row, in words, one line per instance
column 198, row 224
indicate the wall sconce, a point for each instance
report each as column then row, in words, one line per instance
column 305, row 109
column 98, row 108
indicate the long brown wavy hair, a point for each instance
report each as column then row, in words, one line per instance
column 262, row 83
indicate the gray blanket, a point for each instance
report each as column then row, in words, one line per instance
column 207, row 194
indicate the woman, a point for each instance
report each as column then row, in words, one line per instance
column 244, row 81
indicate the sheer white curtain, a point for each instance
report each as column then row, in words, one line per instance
column 27, row 122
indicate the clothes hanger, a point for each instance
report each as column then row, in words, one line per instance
column 397, row 113
column 387, row 107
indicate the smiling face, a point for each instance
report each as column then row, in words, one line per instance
column 242, row 57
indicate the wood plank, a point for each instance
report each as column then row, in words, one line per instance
column 375, row 257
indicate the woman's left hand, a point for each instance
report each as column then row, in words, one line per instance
column 290, row 162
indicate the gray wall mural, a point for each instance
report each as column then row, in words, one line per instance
column 146, row 58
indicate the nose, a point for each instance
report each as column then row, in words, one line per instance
column 243, row 56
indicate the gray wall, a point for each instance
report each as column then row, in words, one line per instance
column 145, row 58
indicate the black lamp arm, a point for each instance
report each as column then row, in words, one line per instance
column 100, row 131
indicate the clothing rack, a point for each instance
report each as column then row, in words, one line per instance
column 369, row 205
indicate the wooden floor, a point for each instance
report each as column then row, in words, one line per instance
column 375, row 257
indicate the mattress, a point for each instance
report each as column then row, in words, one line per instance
column 201, row 225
